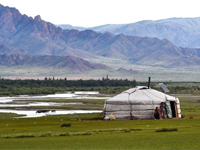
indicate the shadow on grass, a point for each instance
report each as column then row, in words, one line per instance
column 167, row 130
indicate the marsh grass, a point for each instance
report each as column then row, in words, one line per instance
column 88, row 131
column 87, row 104
column 47, row 133
column 9, row 115
column 54, row 134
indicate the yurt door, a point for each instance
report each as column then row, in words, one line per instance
column 168, row 108
column 174, row 109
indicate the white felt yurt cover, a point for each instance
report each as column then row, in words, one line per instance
column 137, row 103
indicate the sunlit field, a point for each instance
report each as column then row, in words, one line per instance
column 89, row 131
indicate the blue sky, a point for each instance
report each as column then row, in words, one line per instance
column 89, row 13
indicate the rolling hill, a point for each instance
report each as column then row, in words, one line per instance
column 70, row 63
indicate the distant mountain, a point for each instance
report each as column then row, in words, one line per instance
column 68, row 62
column 183, row 32
column 34, row 36
column 130, row 71
column 69, row 27
column 20, row 34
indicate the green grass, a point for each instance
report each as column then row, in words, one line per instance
column 86, row 131
column 190, row 106
column 47, row 133
column 8, row 115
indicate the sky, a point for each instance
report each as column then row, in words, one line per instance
column 90, row 13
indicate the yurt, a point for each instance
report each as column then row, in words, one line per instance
column 140, row 103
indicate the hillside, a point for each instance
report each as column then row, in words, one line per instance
column 67, row 62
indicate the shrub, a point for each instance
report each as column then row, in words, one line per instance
column 66, row 125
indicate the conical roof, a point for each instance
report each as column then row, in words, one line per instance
column 141, row 95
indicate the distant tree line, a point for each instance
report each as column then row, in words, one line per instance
column 51, row 86
column 66, row 83
column 179, row 87
column 104, row 86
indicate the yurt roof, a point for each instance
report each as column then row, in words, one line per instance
column 141, row 94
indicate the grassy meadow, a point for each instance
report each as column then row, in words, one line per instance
column 156, row 73
column 88, row 131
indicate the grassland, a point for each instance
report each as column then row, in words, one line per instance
column 88, row 131
column 157, row 73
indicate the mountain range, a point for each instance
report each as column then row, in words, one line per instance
column 183, row 32
column 34, row 38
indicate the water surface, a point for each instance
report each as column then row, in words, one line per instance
column 20, row 104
